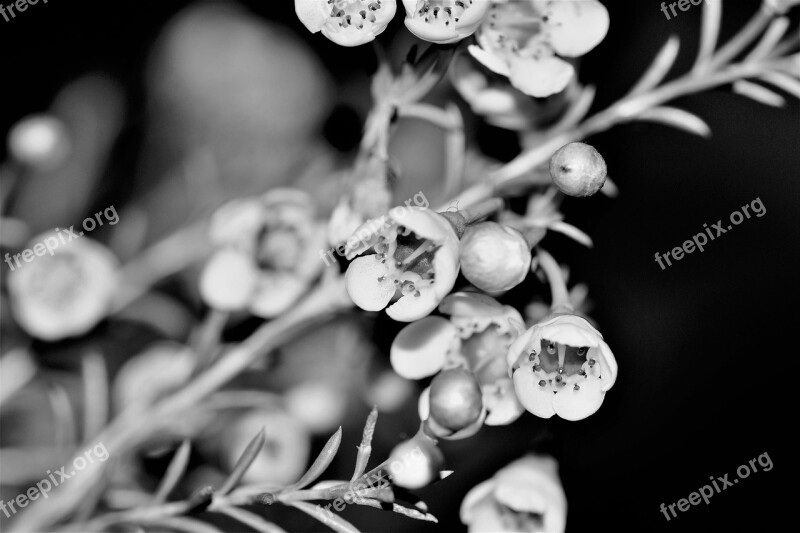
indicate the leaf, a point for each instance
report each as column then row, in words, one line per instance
column 333, row 521
column 251, row 520
column 659, row 68
column 190, row 525
column 769, row 40
column 244, row 462
column 322, row 462
column 572, row 232
column 413, row 513
column 758, row 93
column 712, row 20
column 175, row 471
column 676, row 118
column 95, row 393
column 783, row 81
column 365, row 448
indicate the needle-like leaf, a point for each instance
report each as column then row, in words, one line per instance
column 659, row 68
column 365, row 448
column 175, row 471
column 322, row 462
column 758, row 93
column 333, row 521
column 712, row 21
column 676, row 118
column 95, row 393
column 251, row 520
column 244, row 462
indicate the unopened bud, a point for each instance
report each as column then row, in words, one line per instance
column 577, row 169
column 494, row 257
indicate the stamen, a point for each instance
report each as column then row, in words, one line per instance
column 426, row 246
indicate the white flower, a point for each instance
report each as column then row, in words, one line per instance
column 65, row 294
column 416, row 261
column 267, row 253
column 39, row 141
column 346, row 22
column 562, row 367
column 521, row 39
column 160, row 369
column 476, row 337
column 526, row 496
column 444, row 21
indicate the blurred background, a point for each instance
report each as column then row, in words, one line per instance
column 176, row 106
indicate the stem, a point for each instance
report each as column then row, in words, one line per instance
column 130, row 429
column 558, row 287
column 482, row 210
column 752, row 29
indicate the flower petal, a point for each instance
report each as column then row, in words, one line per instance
column 502, row 403
column 493, row 62
column 537, row 400
column 518, row 348
column 362, row 284
column 577, row 27
column 571, row 404
column 420, row 349
column 540, row 77
column 411, row 307
column 275, row 293
column 311, row 13
column 228, row 280
column 471, row 506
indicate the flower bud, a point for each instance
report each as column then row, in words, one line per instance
column 494, row 257
column 456, row 401
column 415, row 463
column 577, row 169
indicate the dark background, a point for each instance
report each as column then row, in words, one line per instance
column 704, row 347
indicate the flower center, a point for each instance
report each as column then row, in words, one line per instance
column 480, row 348
column 354, row 13
column 442, row 12
column 517, row 25
column 559, row 364
column 278, row 249
column 411, row 264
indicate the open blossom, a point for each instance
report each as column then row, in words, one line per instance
column 266, row 257
column 416, row 261
column 444, row 21
column 526, row 497
column 346, row 22
column 521, row 39
column 64, row 294
column 476, row 337
column 562, row 367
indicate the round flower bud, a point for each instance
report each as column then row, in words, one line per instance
column 415, row 463
column 494, row 257
column 577, row 169
column 456, row 401
column 39, row 141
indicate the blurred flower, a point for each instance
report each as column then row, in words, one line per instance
column 286, row 449
column 346, row 22
column 526, row 496
column 476, row 337
column 319, row 405
column 388, row 392
column 64, row 294
column 780, row 7
column 416, row 259
column 415, row 463
column 562, row 367
column 159, row 370
column 267, row 255
column 521, row 38
column 444, row 21
column 39, row 141
column 368, row 195
column 494, row 257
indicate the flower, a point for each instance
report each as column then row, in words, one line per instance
column 286, row 449
column 64, row 294
column 444, row 21
column 525, row 496
column 452, row 407
column 346, row 22
column 266, row 256
column 521, row 38
column 416, row 260
column 562, row 367
column 578, row 169
column 415, row 463
column 160, row 369
column 476, row 337
column 494, row 257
